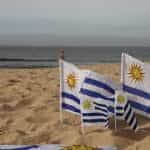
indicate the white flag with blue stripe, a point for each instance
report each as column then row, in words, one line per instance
column 21, row 147
column 94, row 112
column 50, row 147
column 71, row 78
column 124, row 111
column 135, row 78
column 98, row 86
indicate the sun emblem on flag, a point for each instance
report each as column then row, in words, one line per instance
column 71, row 80
column 120, row 99
column 87, row 104
column 136, row 73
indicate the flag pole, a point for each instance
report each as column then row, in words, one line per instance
column 61, row 74
column 82, row 123
column 82, row 127
column 82, row 132
column 81, row 118
column 122, row 82
column 115, row 115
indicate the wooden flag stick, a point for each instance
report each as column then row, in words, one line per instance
column 61, row 74
column 61, row 54
column 122, row 71
column 122, row 81
column 115, row 116
column 82, row 127
column 115, row 122
column 82, row 132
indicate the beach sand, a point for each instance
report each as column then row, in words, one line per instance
column 29, row 112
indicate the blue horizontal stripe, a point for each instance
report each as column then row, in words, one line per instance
column 140, row 107
column 100, row 85
column 70, row 107
column 136, row 92
column 22, row 148
column 100, row 105
column 94, row 114
column 101, row 109
column 119, row 114
column 95, row 94
column 111, row 109
column 71, row 96
column 119, row 107
column 94, row 120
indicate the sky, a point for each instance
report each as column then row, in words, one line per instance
column 75, row 22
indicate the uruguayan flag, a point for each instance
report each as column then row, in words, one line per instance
column 123, row 110
column 135, row 78
column 47, row 147
column 93, row 112
column 98, row 86
column 15, row 147
column 71, row 78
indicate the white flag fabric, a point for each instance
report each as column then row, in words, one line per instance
column 123, row 110
column 71, row 78
column 97, row 86
column 94, row 112
column 47, row 147
column 21, row 147
column 135, row 78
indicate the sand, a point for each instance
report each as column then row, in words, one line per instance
column 29, row 112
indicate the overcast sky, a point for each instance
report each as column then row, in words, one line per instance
column 75, row 22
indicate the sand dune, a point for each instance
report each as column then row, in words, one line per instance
column 29, row 112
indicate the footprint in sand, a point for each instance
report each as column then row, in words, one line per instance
column 54, row 141
column 34, row 119
column 21, row 132
column 14, row 80
column 3, row 130
column 6, row 107
column 9, row 121
column 116, row 73
column 23, row 103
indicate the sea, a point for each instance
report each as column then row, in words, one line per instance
column 28, row 57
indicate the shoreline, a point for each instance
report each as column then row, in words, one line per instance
column 54, row 66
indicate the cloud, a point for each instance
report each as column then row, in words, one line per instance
column 78, row 22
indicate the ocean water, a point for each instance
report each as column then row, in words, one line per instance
column 48, row 56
